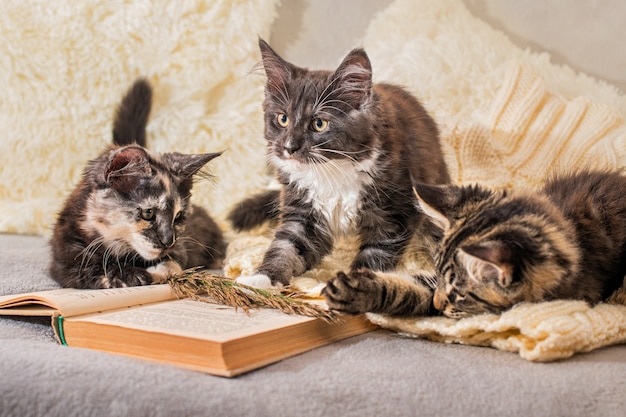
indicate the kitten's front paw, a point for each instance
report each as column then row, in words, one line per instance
column 354, row 293
column 260, row 281
column 128, row 277
column 160, row 272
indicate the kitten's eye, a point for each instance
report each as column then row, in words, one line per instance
column 319, row 125
column 147, row 214
column 282, row 119
column 179, row 217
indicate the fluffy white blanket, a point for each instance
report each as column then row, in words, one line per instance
column 65, row 66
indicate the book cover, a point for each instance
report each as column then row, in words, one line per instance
column 150, row 323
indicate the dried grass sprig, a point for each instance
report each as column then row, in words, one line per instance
column 198, row 285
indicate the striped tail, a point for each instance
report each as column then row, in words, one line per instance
column 129, row 126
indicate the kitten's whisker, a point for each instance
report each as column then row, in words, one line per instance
column 283, row 96
column 105, row 261
column 317, row 95
column 342, row 153
column 345, row 153
column 328, row 90
column 206, row 248
column 325, row 173
column 322, row 110
column 321, row 104
column 284, row 92
column 320, row 144
column 89, row 251
column 333, row 170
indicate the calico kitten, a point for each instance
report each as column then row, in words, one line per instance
column 501, row 247
column 344, row 151
column 129, row 221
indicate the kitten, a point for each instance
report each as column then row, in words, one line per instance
column 344, row 150
column 503, row 247
column 129, row 221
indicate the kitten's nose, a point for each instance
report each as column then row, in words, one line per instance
column 292, row 146
column 166, row 238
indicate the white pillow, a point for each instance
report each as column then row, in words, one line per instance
column 507, row 116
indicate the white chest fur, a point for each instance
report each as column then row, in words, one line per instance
column 334, row 188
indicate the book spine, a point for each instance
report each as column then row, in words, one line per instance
column 59, row 330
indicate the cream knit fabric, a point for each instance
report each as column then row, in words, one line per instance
column 508, row 117
column 539, row 332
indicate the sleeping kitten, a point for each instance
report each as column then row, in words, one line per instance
column 129, row 221
column 500, row 248
column 344, row 151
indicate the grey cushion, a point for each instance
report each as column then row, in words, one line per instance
column 376, row 374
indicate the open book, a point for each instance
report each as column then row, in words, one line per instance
column 150, row 322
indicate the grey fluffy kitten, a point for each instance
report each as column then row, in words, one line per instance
column 503, row 247
column 344, row 150
column 130, row 221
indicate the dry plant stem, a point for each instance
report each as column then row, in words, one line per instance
column 198, row 285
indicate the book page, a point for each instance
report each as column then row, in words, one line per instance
column 71, row 302
column 197, row 319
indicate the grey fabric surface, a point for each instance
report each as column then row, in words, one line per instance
column 377, row 374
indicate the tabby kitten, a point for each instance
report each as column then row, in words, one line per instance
column 129, row 221
column 500, row 248
column 344, row 151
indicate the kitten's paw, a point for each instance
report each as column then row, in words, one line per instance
column 113, row 282
column 260, row 281
column 129, row 277
column 354, row 293
column 161, row 271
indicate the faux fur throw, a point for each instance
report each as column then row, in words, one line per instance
column 508, row 117
column 65, row 66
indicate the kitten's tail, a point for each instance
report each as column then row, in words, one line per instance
column 132, row 114
column 255, row 211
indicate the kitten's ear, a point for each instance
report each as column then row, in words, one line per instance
column 278, row 70
column 126, row 168
column 437, row 201
column 444, row 202
column 187, row 165
column 489, row 260
column 354, row 78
